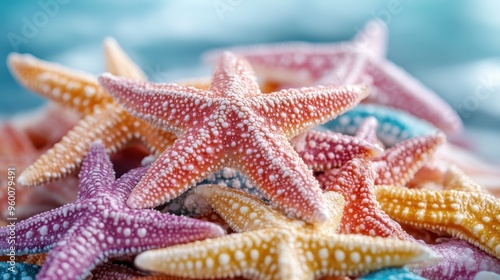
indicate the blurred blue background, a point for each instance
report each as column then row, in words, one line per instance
column 451, row 46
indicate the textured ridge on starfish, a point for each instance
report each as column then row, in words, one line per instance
column 99, row 225
column 323, row 150
column 362, row 214
column 394, row 125
column 392, row 274
column 104, row 119
column 279, row 253
column 233, row 125
column 472, row 216
column 20, row 271
column 244, row 212
column 461, row 261
column 398, row 164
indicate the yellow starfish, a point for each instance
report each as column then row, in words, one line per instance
column 472, row 216
column 103, row 118
column 278, row 249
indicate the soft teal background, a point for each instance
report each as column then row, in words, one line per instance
column 452, row 46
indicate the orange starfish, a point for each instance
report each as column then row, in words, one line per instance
column 104, row 119
column 472, row 216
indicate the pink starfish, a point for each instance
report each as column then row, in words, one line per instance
column 361, row 60
column 99, row 225
column 362, row 214
column 322, row 150
column 398, row 164
column 233, row 125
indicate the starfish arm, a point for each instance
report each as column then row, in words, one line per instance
column 177, row 169
column 74, row 256
column 326, row 150
column 122, row 187
column 296, row 110
column 292, row 62
column 394, row 125
column 398, row 164
column 244, row 254
column 154, row 138
column 118, row 63
column 354, row 255
column 349, row 69
column 67, row 87
column 150, row 229
column 461, row 260
column 96, row 173
column 233, row 73
column 362, row 213
column 467, row 215
column 242, row 211
column 165, row 105
column 398, row 89
column 367, row 130
column 39, row 233
column 281, row 176
column 67, row 155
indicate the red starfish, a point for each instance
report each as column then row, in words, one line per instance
column 362, row 214
column 233, row 125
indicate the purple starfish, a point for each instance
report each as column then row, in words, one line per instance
column 99, row 225
column 461, row 261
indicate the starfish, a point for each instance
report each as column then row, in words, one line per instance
column 471, row 216
column 461, row 261
column 362, row 214
column 456, row 179
column 99, row 225
column 233, row 125
column 17, row 150
column 306, row 64
column 398, row 164
column 367, row 131
column 322, row 150
column 281, row 248
column 393, row 127
column 103, row 118
column 21, row 271
column 392, row 274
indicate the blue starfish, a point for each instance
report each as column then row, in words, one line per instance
column 393, row 274
column 394, row 125
column 18, row 271
column 99, row 225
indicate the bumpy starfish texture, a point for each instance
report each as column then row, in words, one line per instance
column 307, row 64
column 367, row 131
column 392, row 274
column 244, row 212
column 456, row 179
column 398, row 164
column 393, row 125
column 99, row 225
column 323, row 150
column 103, row 118
column 282, row 253
column 20, row 271
column 266, row 250
column 233, row 125
column 471, row 216
column 362, row 214
column 461, row 261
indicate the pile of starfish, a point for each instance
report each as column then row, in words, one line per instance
column 327, row 162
